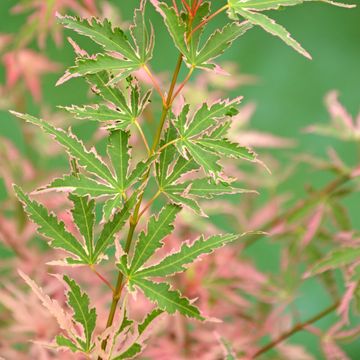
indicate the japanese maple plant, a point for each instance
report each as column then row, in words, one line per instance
column 187, row 156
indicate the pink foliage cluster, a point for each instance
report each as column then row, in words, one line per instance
column 245, row 303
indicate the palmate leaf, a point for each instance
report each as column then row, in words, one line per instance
column 122, row 56
column 83, row 214
column 188, row 253
column 219, row 42
column 83, row 314
column 251, row 11
column 120, row 112
column 52, row 228
column 195, row 55
column 167, row 299
column 87, row 159
column 194, row 139
column 157, row 229
column 82, row 186
column 206, row 188
column 111, row 228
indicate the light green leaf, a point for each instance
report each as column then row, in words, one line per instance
column 63, row 341
column 176, row 27
column 202, row 12
column 336, row 259
column 177, row 262
column 149, row 319
column 102, row 62
column 167, row 299
column 119, row 153
column 51, row 227
column 180, row 199
column 111, row 228
column 88, row 159
column 112, row 40
column 206, row 117
column 100, row 82
column 82, row 186
column 83, row 314
column 83, row 214
column 207, row 188
column 261, row 5
column 167, row 155
column 100, row 113
column 206, row 159
column 219, row 41
column 143, row 38
column 150, row 241
column 227, row 148
column 182, row 167
column 110, row 205
column 268, row 24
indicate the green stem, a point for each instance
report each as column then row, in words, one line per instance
column 135, row 217
column 298, row 327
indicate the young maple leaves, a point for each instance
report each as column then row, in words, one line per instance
column 121, row 55
column 193, row 142
column 251, row 10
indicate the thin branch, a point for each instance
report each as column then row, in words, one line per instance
column 155, row 83
column 181, row 86
column 186, row 6
column 176, row 7
column 149, row 204
column 205, row 21
column 143, row 137
column 167, row 144
column 298, row 327
column 102, row 278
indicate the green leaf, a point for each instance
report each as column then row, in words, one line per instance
column 118, row 151
column 88, row 159
column 83, row 314
column 167, row 299
column 131, row 56
column 150, row 241
column 177, row 262
column 143, row 38
column 180, row 199
column 100, row 85
column 62, row 341
column 219, row 41
column 133, row 350
column 83, row 214
column 51, row 227
column 260, row 5
column 101, row 62
column 201, row 14
column 207, row 188
column 176, row 27
column 82, row 186
column 149, row 319
column 206, row 116
column 100, row 113
column 336, row 259
column 240, row 8
column 206, row 159
column 111, row 228
column 112, row 40
column 227, row 148
column 166, row 156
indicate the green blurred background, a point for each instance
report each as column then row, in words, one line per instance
column 289, row 96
